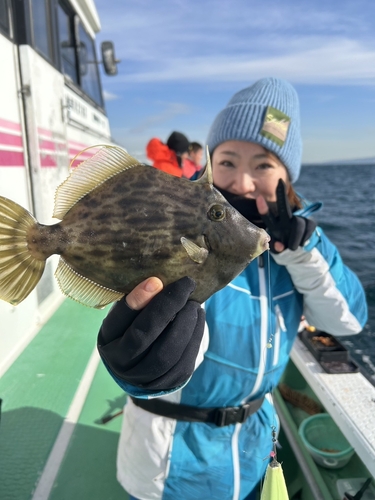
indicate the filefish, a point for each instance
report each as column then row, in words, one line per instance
column 123, row 221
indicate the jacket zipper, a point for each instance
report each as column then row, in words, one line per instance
column 263, row 341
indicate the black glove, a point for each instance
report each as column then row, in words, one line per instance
column 156, row 347
column 291, row 230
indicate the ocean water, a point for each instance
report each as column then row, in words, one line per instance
column 348, row 217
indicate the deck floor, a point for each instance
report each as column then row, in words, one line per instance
column 40, row 393
column 37, row 392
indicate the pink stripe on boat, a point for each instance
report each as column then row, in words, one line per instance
column 47, row 161
column 10, row 125
column 52, row 134
column 79, row 145
column 90, row 152
column 44, row 131
column 11, row 159
column 44, row 144
column 10, row 139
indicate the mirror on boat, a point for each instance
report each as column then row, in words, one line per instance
column 108, row 58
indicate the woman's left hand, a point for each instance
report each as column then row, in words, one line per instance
column 286, row 230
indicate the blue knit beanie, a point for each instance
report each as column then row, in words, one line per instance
column 266, row 113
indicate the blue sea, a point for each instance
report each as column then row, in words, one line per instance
column 348, row 217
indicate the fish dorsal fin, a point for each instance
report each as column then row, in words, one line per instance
column 106, row 163
column 207, row 177
column 195, row 252
column 83, row 290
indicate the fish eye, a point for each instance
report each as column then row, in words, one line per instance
column 216, row 212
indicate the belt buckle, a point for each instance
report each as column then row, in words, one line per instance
column 231, row 415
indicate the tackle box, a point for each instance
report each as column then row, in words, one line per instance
column 328, row 351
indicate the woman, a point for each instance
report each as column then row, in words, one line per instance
column 208, row 433
column 193, row 163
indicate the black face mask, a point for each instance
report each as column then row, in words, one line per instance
column 247, row 207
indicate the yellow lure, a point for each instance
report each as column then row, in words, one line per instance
column 274, row 487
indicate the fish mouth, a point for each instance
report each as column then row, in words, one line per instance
column 263, row 243
column 265, row 239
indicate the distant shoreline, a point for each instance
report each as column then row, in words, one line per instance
column 370, row 162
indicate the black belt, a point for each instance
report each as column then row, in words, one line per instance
column 218, row 416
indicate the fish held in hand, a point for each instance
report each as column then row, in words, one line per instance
column 121, row 222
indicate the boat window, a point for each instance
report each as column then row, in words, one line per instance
column 77, row 53
column 4, row 17
column 88, row 65
column 67, row 44
column 41, row 34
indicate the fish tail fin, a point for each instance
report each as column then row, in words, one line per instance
column 19, row 270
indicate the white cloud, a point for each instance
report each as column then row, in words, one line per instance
column 157, row 31
column 312, row 60
column 217, row 44
column 216, row 40
column 108, row 96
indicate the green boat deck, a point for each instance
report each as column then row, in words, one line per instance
column 53, row 445
column 41, row 403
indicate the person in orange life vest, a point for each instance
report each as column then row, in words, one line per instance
column 169, row 157
column 193, row 163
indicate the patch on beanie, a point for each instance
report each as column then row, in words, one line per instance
column 275, row 125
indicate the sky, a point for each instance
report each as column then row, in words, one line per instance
column 182, row 60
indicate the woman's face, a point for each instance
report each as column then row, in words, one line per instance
column 247, row 169
column 197, row 156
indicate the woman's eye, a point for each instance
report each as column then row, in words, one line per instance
column 226, row 163
column 216, row 212
column 264, row 166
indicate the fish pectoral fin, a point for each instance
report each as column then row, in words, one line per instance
column 196, row 253
column 104, row 164
column 83, row 290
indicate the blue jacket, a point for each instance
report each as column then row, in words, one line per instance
column 160, row 458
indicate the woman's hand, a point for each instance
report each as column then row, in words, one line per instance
column 286, row 230
column 152, row 339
